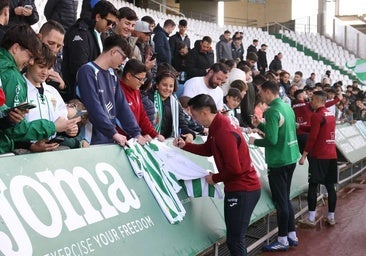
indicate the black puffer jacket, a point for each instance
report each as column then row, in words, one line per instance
column 63, row 11
column 80, row 47
column 197, row 62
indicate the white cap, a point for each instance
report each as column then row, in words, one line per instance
column 142, row 26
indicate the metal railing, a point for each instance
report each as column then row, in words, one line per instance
column 162, row 8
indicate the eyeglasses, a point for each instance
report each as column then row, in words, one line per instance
column 124, row 56
column 141, row 80
column 110, row 22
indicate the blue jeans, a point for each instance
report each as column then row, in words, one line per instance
column 237, row 210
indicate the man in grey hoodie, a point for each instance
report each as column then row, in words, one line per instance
column 223, row 47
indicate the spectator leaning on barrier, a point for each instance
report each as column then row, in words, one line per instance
column 280, row 140
column 200, row 58
column 169, row 118
column 50, row 105
column 134, row 75
column 321, row 152
column 230, row 151
column 83, row 42
column 100, row 92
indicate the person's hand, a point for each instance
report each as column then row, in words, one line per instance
column 251, row 140
column 27, row 12
column 120, row 139
column 160, row 137
column 73, row 131
column 179, row 142
column 188, row 137
column 302, row 160
column 209, row 179
column 16, row 115
column 84, row 144
column 55, row 76
column 19, row 10
column 256, row 130
column 43, row 146
column 140, row 140
column 62, row 124
column 255, row 120
column 147, row 137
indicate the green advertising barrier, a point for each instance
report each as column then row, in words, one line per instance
column 90, row 202
column 351, row 140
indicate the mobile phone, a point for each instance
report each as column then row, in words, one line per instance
column 80, row 113
column 153, row 57
column 23, row 106
column 28, row 6
column 57, row 139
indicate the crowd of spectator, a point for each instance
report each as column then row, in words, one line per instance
column 153, row 71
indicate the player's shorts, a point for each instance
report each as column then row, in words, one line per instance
column 323, row 171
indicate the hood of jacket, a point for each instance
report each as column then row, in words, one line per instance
column 6, row 60
column 158, row 28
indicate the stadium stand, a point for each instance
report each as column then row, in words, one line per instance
column 324, row 55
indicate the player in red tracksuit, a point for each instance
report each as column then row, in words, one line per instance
column 303, row 112
column 321, row 148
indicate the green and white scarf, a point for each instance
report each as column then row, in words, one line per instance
column 158, row 105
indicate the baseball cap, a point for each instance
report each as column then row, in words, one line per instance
column 142, row 26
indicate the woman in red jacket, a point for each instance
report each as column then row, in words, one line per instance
column 230, row 151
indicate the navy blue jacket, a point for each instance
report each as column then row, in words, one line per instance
column 162, row 47
column 102, row 96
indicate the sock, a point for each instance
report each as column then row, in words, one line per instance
column 292, row 235
column 331, row 215
column 312, row 215
column 283, row 240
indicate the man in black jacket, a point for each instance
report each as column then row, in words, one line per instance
column 83, row 42
column 276, row 63
column 262, row 59
column 200, row 58
column 23, row 11
column 180, row 36
column 62, row 11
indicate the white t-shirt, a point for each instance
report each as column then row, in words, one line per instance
column 196, row 85
column 50, row 105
